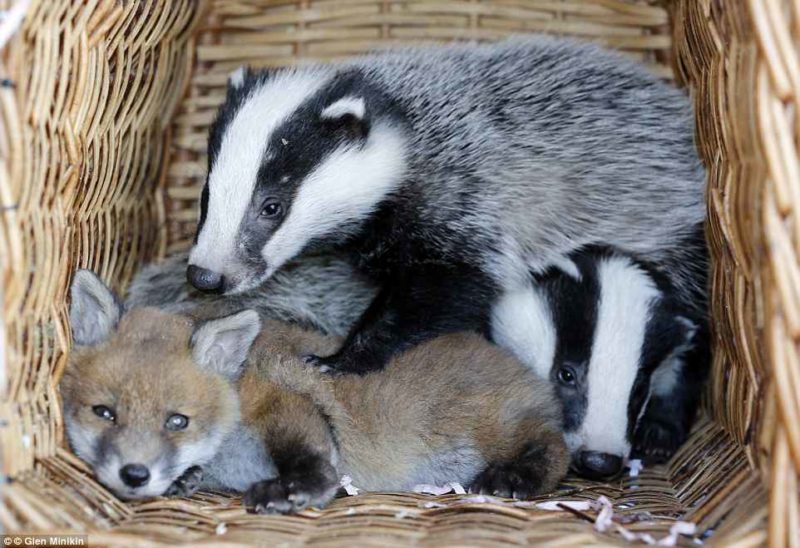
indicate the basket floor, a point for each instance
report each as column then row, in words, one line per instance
column 706, row 484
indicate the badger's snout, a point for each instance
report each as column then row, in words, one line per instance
column 597, row 465
column 205, row 279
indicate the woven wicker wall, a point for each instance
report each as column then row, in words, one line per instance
column 102, row 143
column 743, row 61
column 85, row 125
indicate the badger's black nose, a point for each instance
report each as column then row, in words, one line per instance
column 134, row 475
column 596, row 465
column 204, row 279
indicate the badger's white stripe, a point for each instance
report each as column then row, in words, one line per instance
column 522, row 323
column 626, row 294
column 347, row 105
column 345, row 188
column 244, row 147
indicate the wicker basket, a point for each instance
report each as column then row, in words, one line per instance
column 103, row 118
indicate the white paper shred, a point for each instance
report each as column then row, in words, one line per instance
column 603, row 520
column 221, row 529
column 452, row 487
column 458, row 489
column 427, row 489
column 678, row 528
column 555, row 505
column 402, row 514
column 635, row 466
column 347, row 484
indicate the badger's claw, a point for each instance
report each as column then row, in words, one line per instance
column 187, row 484
column 656, row 441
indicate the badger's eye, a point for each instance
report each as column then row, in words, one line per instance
column 104, row 412
column 177, row 422
column 271, row 209
column 566, row 376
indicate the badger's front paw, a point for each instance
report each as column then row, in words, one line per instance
column 656, row 441
column 287, row 496
column 187, row 484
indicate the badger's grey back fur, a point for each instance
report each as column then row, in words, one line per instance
column 323, row 292
column 513, row 155
column 577, row 144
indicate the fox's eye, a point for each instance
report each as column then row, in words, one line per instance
column 177, row 422
column 271, row 209
column 104, row 413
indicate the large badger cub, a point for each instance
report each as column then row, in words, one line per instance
column 450, row 173
column 163, row 403
column 627, row 365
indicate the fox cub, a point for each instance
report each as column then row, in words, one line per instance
column 164, row 404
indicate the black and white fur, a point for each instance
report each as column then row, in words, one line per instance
column 450, row 174
column 627, row 364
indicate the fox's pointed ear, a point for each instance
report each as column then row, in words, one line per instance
column 347, row 114
column 94, row 310
column 222, row 345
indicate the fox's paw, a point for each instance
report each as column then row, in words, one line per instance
column 187, row 484
column 327, row 365
column 340, row 364
column 281, row 496
column 507, row 480
column 656, row 441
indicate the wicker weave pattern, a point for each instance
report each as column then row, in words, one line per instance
column 744, row 63
column 98, row 170
column 85, row 129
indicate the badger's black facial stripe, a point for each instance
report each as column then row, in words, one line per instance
column 296, row 148
column 574, row 306
column 203, row 211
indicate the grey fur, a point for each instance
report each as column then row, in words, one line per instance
column 323, row 292
column 241, row 461
column 527, row 149
column 572, row 145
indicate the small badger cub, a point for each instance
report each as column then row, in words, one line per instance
column 608, row 333
column 159, row 403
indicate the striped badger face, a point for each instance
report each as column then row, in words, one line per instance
column 297, row 157
column 604, row 333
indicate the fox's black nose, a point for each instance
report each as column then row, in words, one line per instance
column 134, row 475
column 596, row 465
column 204, row 279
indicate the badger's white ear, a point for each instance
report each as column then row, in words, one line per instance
column 354, row 107
column 688, row 330
column 236, row 78
column 94, row 310
column 222, row 345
